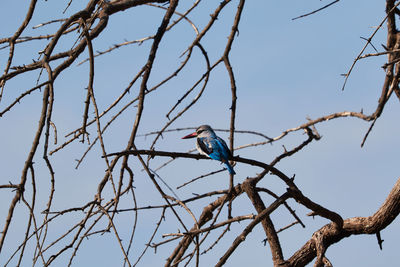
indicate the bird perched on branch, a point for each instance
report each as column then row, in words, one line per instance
column 211, row 145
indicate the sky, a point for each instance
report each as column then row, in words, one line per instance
column 286, row 71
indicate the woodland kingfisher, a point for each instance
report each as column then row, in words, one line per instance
column 211, row 145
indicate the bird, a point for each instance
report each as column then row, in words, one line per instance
column 211, row 145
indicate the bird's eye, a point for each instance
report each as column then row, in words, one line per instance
column 200, row 131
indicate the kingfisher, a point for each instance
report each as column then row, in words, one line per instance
column 211, row 145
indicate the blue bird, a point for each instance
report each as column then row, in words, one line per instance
column 211, row 145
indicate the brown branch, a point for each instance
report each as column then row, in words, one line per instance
column 143, row 87
column 317, row 10
column 215, row 226
column 153, row 153
column 389, row 10
column 329, row 234
column 204, row 77
column 116, row 234
column 228, row 66
column 298, row 220
column 29, row 160
column 205, row 216
column 249, row 186
column 261, row 216
column 12, row 40
column 316, row 208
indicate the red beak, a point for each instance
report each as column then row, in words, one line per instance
column 190, row 135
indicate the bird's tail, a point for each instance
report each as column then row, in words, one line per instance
column 230, row 168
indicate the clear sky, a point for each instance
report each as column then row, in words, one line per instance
column 286, row 70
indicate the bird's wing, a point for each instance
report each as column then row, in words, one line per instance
column 225, row 148
column 204, row 145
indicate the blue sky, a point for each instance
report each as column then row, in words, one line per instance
column 285, row 70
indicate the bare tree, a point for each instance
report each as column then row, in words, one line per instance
column 131, row 185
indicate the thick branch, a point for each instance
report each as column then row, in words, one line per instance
column 249, row 187
column 329, row 234
column 153, row 153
